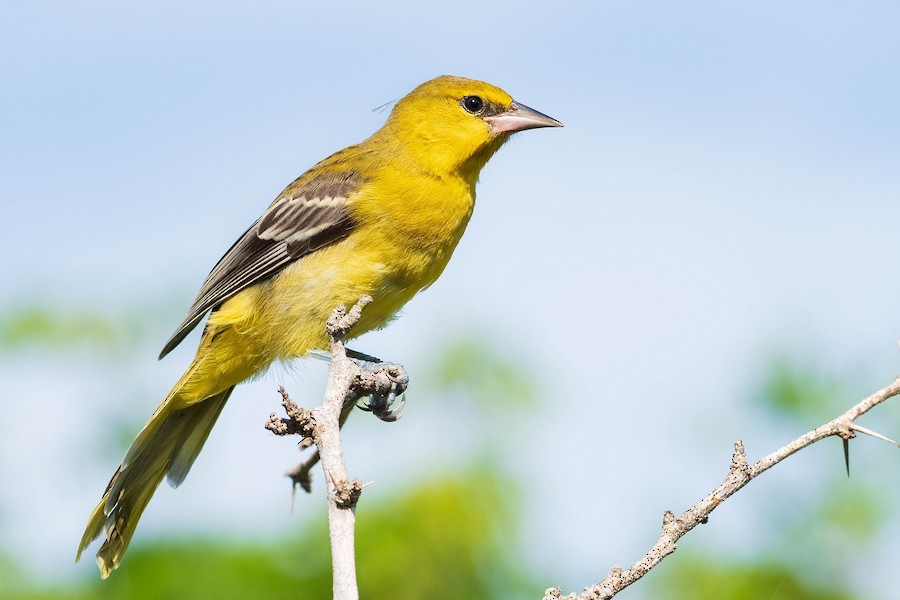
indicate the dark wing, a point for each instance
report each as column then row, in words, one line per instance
column 308, row 215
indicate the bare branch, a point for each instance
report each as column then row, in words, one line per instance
column 347, row 382
column 739, row 475
column 300, row 474
column 299, row 422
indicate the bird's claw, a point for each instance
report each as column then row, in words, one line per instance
column 389, row 406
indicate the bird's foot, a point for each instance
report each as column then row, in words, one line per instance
column 389, row 401
column 389, row 379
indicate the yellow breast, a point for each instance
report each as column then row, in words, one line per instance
column 392, row 254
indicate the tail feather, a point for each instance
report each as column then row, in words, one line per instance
column 201, row 423
column 169, row 443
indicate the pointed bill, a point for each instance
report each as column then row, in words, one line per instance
column 519, row 118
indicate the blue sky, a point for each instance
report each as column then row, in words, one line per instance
column 726, row 186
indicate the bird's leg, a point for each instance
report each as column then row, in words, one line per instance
column 363, row 361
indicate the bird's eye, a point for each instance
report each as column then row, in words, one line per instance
column 473, row 104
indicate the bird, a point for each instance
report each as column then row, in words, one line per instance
column 379, row 218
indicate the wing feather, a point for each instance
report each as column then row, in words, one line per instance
column 310, row 214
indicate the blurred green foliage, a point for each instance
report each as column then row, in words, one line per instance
column 453, row 537
column 490, row 377
column 450, row 538
column 42, row 326
column 457, row 536
column 707, row 577
column 850, row 512
column 802, row 389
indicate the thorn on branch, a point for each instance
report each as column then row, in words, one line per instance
column 846, row 442
column 874, row 434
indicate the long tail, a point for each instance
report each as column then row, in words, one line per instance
column 166, row 446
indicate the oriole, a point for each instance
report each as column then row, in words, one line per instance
column 379, row 218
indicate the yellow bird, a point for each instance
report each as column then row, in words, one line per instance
column 380, row 218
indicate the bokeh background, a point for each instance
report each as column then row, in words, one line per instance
column 706, row 252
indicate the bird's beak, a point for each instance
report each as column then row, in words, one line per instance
column 519, row 117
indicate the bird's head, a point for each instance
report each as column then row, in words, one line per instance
column 454, row 125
